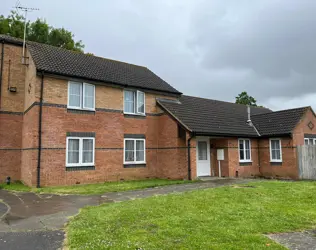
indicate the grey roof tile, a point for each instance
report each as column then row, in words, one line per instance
column 212, row 117
column 278, row 122
column 74, row 64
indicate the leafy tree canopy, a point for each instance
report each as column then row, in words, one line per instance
column 39, row 31
column 244, row 98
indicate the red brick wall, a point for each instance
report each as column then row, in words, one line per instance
column 219, row 144
column 231, row 163
column 109, row 128
column 302, row 128
column 288, row 167
column 10, row 145
column 29, row 146
column 11, row 108
column 172, row 151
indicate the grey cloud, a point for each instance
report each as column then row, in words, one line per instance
column 274, row 41
column 213, row 49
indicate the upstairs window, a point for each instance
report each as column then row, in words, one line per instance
column 244, row 150
column 81, row 96
column 275, row 150
column 134, row 102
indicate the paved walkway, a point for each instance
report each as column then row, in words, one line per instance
column 33, row 221
column 305, row 240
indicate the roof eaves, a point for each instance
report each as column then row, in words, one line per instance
column 276, row 135
column 173, row 116
column 225, row 135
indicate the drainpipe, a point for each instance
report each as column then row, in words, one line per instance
column 189, row 157
column 1, row 68
column 40, row 134
column 259, row 163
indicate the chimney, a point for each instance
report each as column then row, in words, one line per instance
column 248, row 112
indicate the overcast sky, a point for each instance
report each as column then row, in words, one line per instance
column 208, row 48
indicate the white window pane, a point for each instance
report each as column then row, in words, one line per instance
column 277, row 155
column 140, row 150
column 89, row 102
column 73, row 157
column 273, row 154
column 306, row 141
column 87, row 151
column 139, row 145
column 87, row 157
column 140, row 155
column 129, row 150
column 241, row 144
column 202, row 150
column 140, row 102
column 87, row 145
column 247, row 144
column 247, row 154
column 89, row 96
column 73, row 151
column 129, row 101
column 311, row 142
column 272, row 145
column 89, row 90
column 74, row 94
column 241, row 150
column 129, row 155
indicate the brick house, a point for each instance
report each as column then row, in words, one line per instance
column 69, row 118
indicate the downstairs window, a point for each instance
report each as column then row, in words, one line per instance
column 134, row 151
column 244, row 150
column 275, row 150
column 80, row 151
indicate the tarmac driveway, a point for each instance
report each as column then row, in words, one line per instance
column 30, row 221
column 33, row 221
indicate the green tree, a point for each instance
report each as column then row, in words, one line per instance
column 39, row 31
column 12, row 25
column 244, row 98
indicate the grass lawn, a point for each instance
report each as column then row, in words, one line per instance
column 99, row 188
column 222, row 218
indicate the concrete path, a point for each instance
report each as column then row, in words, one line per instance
column 296, row 240
column 33, row 221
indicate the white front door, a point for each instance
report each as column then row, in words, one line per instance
column 203, row 163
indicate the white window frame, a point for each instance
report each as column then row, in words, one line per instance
column 135, row 162
column 307, row 139
column 82, row 94
column 80, row 151
column 244, row 143
column 136, row 93
column 270, row 146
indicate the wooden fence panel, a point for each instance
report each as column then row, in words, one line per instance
column 306, row 157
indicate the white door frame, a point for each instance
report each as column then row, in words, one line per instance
column 205, row 167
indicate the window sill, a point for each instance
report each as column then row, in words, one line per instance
column 137, row 116
column 80, row 111
column 80, row 168
column 134, row 165
column 245, row 163
column 276, row 163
